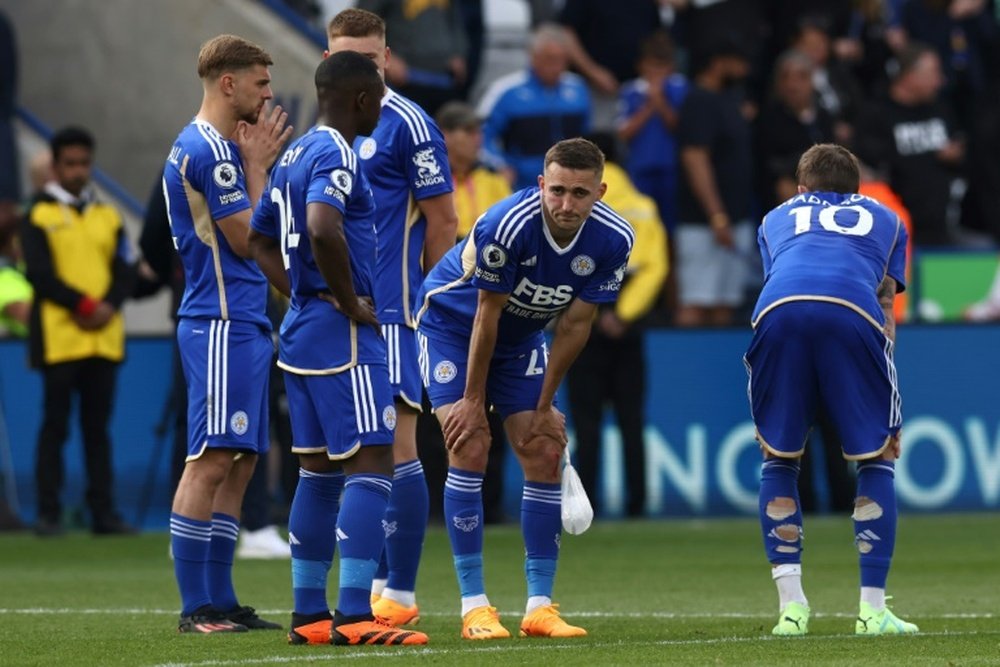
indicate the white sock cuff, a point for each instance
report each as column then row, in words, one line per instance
column 786, row 570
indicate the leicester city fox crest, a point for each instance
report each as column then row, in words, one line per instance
column 466, row 524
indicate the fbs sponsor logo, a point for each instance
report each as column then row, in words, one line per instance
column 428, row 169
column 389, row 527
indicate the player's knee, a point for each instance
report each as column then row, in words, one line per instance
column 866, row 509
column 781, row 508
column 473, row 455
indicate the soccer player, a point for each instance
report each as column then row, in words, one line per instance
column 406, row 163
column 216, row 168
column 316, row 222
column 824, row 334
column 544, row 252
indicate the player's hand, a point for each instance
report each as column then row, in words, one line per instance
column 261, row 142
column 361, row 310
column 548, row 423
column 895, row 446
column 465, row 420
column 611, row 325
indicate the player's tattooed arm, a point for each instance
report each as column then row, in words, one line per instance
column 886, row 293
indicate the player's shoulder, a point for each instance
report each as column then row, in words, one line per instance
column 408, row 118
column 204, row 143
column 506, row 221
column 612, row 228
column 329, row 144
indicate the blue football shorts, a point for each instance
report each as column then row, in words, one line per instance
column 226, row 368
column 404, row 372
column 810, row 354
column 515, row 377
column 340, row 413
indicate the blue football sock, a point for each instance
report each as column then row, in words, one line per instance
column 361, row 539
column 405, row 525
column 781, row 523
column 541, row 525
column 463, row 513
column 875, row 520
column 219, row 570
column 189, row 542
column 312, row 528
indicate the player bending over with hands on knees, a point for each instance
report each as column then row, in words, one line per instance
column 544, row 252
column 824, row 334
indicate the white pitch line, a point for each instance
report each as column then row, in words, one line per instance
column 29, row 611
column 382, row 653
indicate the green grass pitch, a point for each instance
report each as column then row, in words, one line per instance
column 649, row 592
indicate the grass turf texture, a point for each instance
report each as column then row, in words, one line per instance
column 651, row 592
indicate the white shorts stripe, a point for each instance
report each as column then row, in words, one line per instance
column 372, row 413
column 224, row 389
column 397, row 366
column 357, row 403
column 209, row 386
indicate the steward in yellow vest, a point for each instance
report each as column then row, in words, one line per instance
column 78, row 261
column 76, row 256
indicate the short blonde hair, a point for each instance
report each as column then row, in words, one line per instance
column 228, row 53
column 356, row 23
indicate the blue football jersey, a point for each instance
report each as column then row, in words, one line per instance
column 203, row 182
column 320, row 167
column 405, row 161
column 824, row 246
column 510, row 250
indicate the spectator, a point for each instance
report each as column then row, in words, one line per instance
column 649, row 107
column 611, row 368
column 428, row 63
column 15, row 290
column 604, row 39
column 837, row 91
column 79, row 263
column 476, row 187
column 963, row 33
column 715, row 234
column 913, row 135
column 10, row 190
column 527, row 112
column 789, row 124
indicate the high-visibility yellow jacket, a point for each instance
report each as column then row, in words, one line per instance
column 75, row 254
column 648, row 263
column 474, row 194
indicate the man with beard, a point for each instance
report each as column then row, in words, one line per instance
column 216, row 168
